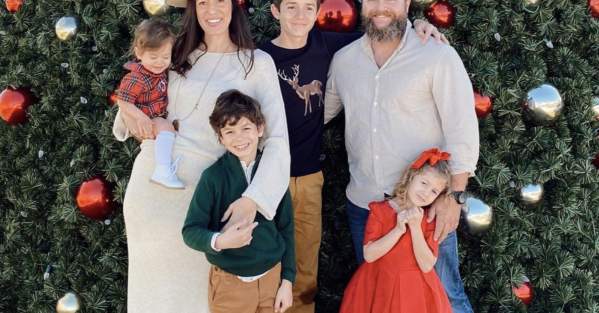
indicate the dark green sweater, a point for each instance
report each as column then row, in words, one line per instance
column 220, row 185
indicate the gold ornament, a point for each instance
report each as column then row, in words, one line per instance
column 478, row 215
column 69, row 303
column 595, row 104
column 155, row 7
column 531, row 193
column 544, row 103
column 66, row 28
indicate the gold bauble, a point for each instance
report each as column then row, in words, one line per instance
column 69, row 303
column 531, row 193
column 477, row 214
column 66, row 28
column 544, row 103
column 155, row 7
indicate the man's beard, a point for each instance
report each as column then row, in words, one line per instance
column 394, row 30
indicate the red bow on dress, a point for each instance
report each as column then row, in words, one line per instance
column 432, row 156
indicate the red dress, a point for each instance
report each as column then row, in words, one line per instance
column 394, row 283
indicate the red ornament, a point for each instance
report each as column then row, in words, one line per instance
column 524, row 292
column 596, row 161
column 594, row 7
column 94, row 199
column 242, row 4
column 482, row 104
column 337, row 16
column 13, row 6
column 13, row 105
column 441, row 14
column 112, row 98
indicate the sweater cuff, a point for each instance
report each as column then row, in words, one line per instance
column 288, row 274
column 213, row 249
column 258, row 197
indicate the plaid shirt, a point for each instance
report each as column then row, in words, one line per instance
column 144, row 89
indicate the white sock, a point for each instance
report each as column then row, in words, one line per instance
column 163, row 148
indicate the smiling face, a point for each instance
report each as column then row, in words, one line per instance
column 426, row 187
column 214, row 16
column 242, row 138
column 155, row 60
column 297, row 17
column 385, row 19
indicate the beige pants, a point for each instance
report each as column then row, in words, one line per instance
column 228, row 294
column 306, row 197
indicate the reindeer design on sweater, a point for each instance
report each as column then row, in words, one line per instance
column 304, row 91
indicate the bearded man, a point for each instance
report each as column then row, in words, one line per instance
column 400, row 98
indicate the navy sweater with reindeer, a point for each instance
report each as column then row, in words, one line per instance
column 303, row 79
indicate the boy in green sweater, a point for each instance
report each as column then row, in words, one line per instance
column 253, row 262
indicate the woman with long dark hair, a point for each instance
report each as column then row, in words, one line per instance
column 213, row 53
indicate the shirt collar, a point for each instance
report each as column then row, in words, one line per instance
column 137, row 67
column 367, row 47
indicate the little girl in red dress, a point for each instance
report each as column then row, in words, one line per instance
column 398, row 275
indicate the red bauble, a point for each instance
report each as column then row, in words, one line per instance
column 337, row 16
column 441, row 14
column 524, row 292
column 112, row 98
column 482, row 104
column 596, row 161
column 594, row 8
column 13, row 6
column 94, row 199
column 242, row 4
column 13, row 105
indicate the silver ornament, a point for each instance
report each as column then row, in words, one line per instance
column 497, row 36
column 69, row 303
column 595, row 105
column 40, row 154
column 477, row 214
column 531, row 193
column 66, row 28
column 544, row 103
column 155, row 7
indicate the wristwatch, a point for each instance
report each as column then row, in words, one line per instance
column 459, row 196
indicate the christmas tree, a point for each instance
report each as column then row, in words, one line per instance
column 51, row 242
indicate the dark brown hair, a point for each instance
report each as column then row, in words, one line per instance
column 277, row 3
column 191, row 37
column 152, row 34
column 231, row 106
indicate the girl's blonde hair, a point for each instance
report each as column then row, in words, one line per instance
column 401, row 188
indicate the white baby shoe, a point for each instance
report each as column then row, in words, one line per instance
column 167, row 176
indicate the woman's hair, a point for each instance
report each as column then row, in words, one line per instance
column 191, row 37
column 401, row 188
column 151, row 34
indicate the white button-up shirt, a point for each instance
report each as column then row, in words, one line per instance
column 419, row 99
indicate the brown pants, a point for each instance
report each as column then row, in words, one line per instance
column 228, row 294
column 306, row 197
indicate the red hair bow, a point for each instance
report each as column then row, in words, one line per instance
column 432, row 156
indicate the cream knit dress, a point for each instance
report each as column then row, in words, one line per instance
column 165, row 276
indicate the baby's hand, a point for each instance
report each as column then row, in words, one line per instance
column 414, row 217
column 284, row 298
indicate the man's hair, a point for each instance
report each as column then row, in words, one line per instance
column 277, row 3
column 231, row 106
column 152, row 34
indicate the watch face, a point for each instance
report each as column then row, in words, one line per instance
column 460, row 197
